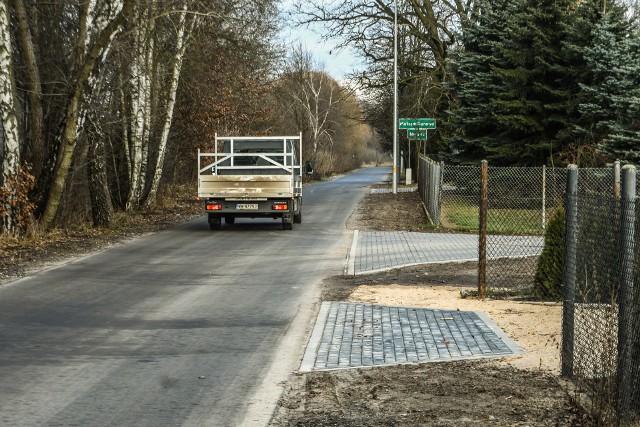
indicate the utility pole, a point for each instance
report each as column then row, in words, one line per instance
column 395, row 97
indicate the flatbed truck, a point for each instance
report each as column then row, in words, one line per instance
column 252, row 177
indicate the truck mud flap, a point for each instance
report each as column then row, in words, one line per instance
column 287, row 222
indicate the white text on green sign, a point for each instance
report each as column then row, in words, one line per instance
column 416, row 134
column 422, row 123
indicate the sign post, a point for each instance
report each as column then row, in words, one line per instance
column 416, row 129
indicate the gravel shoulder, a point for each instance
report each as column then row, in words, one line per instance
column 512, row 391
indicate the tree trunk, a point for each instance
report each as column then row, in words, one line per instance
column 70, row 127
column 36, row 116
column 101, row 205
column 8, row 125
column 182, row 35
column 140, row 108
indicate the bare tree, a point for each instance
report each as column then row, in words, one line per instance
column 428, row 32
column 34, row 82
column 9, row 131
column 367, row 27
column 142, row 65
column 89, row 49
column 184, row 29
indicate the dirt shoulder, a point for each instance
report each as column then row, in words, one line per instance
column 511, row 391
column 506, row 392
column 20, row 257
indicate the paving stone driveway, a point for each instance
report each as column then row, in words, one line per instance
column 349, row 335
column 373, row 251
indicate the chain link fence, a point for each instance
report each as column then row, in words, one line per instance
column 601, row 311
column 549, row 238
column 430, row 187
column 524, row 219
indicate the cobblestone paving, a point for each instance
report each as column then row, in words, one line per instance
column 390, row 190
column 382, row 250
column 349, row 335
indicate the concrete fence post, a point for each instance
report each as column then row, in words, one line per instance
column 628, row 321
column 569, row 273
column 482, row 236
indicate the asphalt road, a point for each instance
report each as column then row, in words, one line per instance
column 184, row 327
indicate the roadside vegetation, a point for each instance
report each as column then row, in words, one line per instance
column 104, row 104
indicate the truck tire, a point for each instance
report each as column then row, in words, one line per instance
column 215, row 222
column 229, row 219
column 287, row 225
column 297, row 219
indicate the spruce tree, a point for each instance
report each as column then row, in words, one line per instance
column 624, row 140
column 513, row 101
column 533, row 106
column 473, row 122
column 605, row 72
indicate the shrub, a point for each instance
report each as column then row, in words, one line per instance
column 548, row 279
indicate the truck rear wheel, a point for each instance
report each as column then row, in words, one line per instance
column 215, row 222
column 297, row 219
column 229, row 219
column 287, row 225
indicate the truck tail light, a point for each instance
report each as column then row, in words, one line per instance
column 214, row 206
column 280, row 206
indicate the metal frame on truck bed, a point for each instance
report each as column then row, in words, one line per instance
column 251, row 177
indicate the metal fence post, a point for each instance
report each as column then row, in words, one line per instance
column 423, row 180
column 432, row 204
column 569, row 274
column 628, row 351
column 616, row 179
column 438, row 191
column 440, row 196
column 482, row 237
column 544, row 197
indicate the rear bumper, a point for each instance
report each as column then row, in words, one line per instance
column 247, row 208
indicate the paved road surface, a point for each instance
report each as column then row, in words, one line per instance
column 183, row 327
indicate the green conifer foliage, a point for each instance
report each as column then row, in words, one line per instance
column 548, row 278
column 514, row 72
column 603, row 50
column 473, row 121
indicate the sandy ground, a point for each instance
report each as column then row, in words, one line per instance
column 535, row 327
column 510, row 391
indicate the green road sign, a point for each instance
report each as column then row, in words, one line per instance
column 416, row 134
column 421, row 123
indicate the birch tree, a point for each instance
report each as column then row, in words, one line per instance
column 318, row 96
column 89, row 49
column 9, row 132
column 141, row 79
column 34, row 83
column 184, row 30
column 315, row 96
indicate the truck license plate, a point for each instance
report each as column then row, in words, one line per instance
column 246, row 206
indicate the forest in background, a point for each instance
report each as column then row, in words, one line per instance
column 104, row 103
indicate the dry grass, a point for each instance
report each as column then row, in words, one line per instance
column 20, row 255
